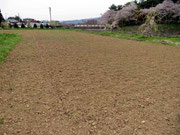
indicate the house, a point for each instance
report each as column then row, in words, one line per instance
column 12, row 21
column 29, row 20
column 37, row 24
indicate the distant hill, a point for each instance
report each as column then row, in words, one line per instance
column 78, row 21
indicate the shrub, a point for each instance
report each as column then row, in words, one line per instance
column 3, row 25
column 9, row 25
column 16, row 26
column 22, row 25
column 41, row 26
column 35, row 26
column 47, row 26
column 29, row 25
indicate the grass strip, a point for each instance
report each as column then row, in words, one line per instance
column 7, row 43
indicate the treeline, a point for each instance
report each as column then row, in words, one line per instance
column 151, row 3
column 133, row 13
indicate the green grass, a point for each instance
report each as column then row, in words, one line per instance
column 139, row 37
column 7, row 43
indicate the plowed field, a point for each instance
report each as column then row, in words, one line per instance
column 71, row 83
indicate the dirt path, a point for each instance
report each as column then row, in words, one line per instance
column 69, row 83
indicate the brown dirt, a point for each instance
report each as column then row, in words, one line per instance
column 70, row 83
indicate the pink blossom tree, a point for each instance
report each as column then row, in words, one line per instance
column 107, row 17
column 168, row 12
column 126, row 15
column 176, row 16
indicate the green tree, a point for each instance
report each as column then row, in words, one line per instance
column 113, row 7
column 149, row 3
column 119, row 7
column 1, row 18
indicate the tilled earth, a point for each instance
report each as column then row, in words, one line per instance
column 70, row 83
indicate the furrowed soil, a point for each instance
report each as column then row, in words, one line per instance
column 71, row 83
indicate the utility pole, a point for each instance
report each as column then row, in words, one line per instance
column 6, row 16
column 19, row 17
column 50, row 14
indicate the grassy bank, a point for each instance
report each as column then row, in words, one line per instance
column 171, row 31
column 164, row 40
column 7, row 43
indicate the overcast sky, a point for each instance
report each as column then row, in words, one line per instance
column 61, row 9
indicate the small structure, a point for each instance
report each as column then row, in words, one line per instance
column 45, row 22
column 89, row 27
column 55, row 24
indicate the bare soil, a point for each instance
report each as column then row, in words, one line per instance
column 71, row 83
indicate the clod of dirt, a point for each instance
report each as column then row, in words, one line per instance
column 166, row 42
column 143, row 122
